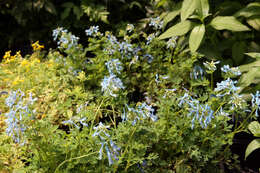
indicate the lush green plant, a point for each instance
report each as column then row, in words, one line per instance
column 130, row 103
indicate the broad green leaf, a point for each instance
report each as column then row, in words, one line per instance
column 248, row 78
column 188, row 7
column 254, row 128
column 251, row 9
column 196, row 37
column 255, row 144
column 229, row 23
column 178, row 29
column 238, row 50
column 203, row 8
column 254, row 21
column 254, row 55
column 171, row 15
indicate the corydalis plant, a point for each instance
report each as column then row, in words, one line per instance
column 19, row 109
column 111, row 148
column 66, row 40
column 143, row 111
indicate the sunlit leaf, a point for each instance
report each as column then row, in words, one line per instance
column 229, row 23
column 178, row 29
column 255, row 144
column 188, row 7
column 196, row 37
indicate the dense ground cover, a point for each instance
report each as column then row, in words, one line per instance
column 130, row 103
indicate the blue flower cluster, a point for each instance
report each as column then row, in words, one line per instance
column 226, row 87
column 111, row 148
column 143, row 111
column 66, row 40
column 111, row 84
column 125, row 48
column 76, row 119
column 202, row 113
column 232, row 71
column 256, row 102
column 92, row 31
column 114, row 66
column 18, row 109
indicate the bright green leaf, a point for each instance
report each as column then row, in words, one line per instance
column 255, row 144
column 188, row 7
column 229, row 23
column 254, row 55
column 254, row 128
column 203, row 8
column 254, row 21
column 178, row 29
column 196, row 37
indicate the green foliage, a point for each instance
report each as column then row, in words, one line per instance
column 131, row 103
column 251, row 72
column 254, row 128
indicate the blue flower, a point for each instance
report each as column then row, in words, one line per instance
column 232, row 71
column 112, row 149
column 197, row 73
column 114, row 66
column 92, row 31
column 19, row 108
column 76, row 119
column 125, row 49
column 156, row 23
column 111, row 84
column 57, row 32
column 226, row 87
column 150, row 38
column 172, row 42
column 143, row 111
column 200, row 112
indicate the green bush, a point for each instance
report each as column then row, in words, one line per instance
column 130, row 103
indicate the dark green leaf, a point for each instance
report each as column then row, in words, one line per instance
column 238, row 50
